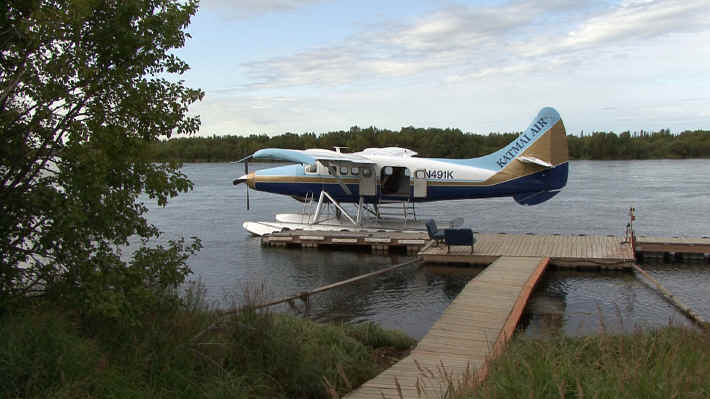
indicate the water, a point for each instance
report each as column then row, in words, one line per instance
column 671, row 198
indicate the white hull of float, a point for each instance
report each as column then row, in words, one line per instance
column 297, row 221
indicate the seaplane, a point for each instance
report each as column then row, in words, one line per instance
column 532, row 169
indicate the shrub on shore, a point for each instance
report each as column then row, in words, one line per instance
column 666, row 363
column 48, row 353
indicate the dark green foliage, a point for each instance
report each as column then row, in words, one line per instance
column 666, row 363
column 293, row 358
column 83, row 92
column 39, row 355
column 375, row 337
column 436, row 143
column 643, row 145
column 43, row 354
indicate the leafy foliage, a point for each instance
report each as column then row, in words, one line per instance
column 83, row 91
column 641, row 145
column 666, row 363
column 436, row 143
column 44, row 354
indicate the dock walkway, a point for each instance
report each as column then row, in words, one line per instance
column 578, row 251
column 673, row 248
column 473, row 329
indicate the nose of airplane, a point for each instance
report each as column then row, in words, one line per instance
column 248, row 179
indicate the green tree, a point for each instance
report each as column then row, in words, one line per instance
column 84, row 90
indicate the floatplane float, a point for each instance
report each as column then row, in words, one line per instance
column 531, row 169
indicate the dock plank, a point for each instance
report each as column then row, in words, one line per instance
column 472, row 330
column 564, row 251
column 698, row 245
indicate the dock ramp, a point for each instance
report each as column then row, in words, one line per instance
column 472, row 330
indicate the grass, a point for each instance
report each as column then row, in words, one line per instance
column 666, row 363
column 47, row 352
column 197, row 352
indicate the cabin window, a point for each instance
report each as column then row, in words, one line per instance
column 387, row 170
column 332, row 170
column 343, row 170
column 311, row 169
column 354, row 171
column 420, row 174
column 367, row 172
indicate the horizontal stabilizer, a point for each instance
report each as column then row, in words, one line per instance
column 535, row 161
column 534, row 198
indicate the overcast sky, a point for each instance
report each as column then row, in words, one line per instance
column 276, row 66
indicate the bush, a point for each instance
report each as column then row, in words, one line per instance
column 291, row 357
column 192, row 352
column 375, row 337
column 671, row 362
column 40, row 354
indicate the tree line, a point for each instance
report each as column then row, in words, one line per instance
column 436, row 143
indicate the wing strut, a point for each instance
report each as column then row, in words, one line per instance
column 324, row 195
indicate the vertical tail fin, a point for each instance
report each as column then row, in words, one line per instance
column 544, row 142
column 538, row 159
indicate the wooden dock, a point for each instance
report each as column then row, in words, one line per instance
column 580, row 251
column 472, row 330
column 411, row 242
column 673, row 248
column 565, row 251
column 476, row 326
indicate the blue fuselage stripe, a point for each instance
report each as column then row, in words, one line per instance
column 552, row 179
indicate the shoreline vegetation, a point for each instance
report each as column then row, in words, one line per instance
column 199, row 352
column 670, row 362
column 87, row 92
column 437, row 143
column 192, row 351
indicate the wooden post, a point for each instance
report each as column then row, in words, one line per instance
column 686, row 310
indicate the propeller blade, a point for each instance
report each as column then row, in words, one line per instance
column 245, row 178
column 246, row 172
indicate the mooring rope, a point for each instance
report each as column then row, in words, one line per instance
column 304, row 295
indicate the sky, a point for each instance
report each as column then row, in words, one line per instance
column 277, row 66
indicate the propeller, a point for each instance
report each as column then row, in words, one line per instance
column 246, row 172
column 244, row 178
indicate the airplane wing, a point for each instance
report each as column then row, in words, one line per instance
column 309, row 156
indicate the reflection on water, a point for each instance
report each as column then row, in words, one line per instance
column 583, row 302
column 410, row 299
column 669, row 201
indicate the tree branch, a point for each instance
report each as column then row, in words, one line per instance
column 14, row 82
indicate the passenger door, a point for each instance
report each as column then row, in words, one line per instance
column 368, row 182
column 420, row 183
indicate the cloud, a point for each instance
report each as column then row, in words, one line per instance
column 253, row 114
column 446, row 38
column 247, row 8
column 471, row 42
column 640, row 20
column 620, row 66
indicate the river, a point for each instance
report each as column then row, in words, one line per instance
column 670, row 197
